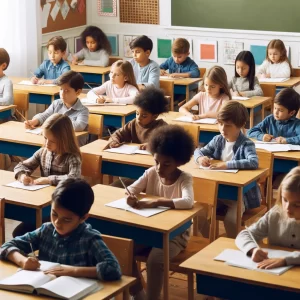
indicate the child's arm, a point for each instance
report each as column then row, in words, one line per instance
column 295, row 140
column 165, row 66
column 257, row 91
column 78, row 57
column 185, row 109
column 260, row 131
column 206, row 152
column 82, row 120
column 153, row 78
column 100, row 90
column 262, row 70
column 187, row 198
column 65, row 68
column 7, row 98
column 40, row 71
column 42, row 117
column 284, row 71
column 122, row 135
column 133, row 91
column 101, row 61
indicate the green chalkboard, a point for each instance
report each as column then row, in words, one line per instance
column 266, row 15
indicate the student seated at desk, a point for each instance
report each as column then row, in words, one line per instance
column 245, row 83
column 146, row 71
column 55, row 66
column 209, row 102
column 171, row 147
column 180, row 64
column 281, row 126
column 236, row 152
column 121, row 88
column 281, row 225
column 67, row 240
column 71, row 84
column 6, row 86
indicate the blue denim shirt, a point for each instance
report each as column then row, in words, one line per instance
column 51, row 71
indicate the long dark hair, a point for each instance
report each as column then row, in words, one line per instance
column 247, row 58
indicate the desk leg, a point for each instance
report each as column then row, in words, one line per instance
column 238, row 210
column 251, row 117
column 126, row 294
column 38, row 218
column 190, row 286
column 166, row 265
column 123, row 121
column 187, row 93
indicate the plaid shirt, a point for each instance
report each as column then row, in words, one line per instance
column 55, row 167
column 84, row 247
column 289, row 129
column 245, row 157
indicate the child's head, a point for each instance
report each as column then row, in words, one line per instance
column 288, row 197
column 150, row 102
column 71, row 203
column 231, row 118
column 276, row 52
column 94, row 39
column 245, row 67
column 141, row 48
column 121, row 72
column 56, row 49
column 215, row 82
column 286, row 104
column 4, row 59
column 60, row 136
column 171, row 147
column 180, row 50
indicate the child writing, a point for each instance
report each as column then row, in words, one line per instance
column 245, row 83
column 96, row 48
column 55, row 66
column 276, row 64
column 67, row 240
column 121, row 88
column 150, row 103
column 280, row 225
column 235, row 152
column 281, row 126
column 215, row 95
column 71, row 84
column 146, row 71
column 180, row 64
column 6, row 86
column 171, row 147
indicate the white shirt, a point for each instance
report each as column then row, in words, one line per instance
column 227, row 153
column 280, row 70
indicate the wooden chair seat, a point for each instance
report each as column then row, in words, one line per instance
column 250, row 216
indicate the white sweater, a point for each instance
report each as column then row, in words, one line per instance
column 6, row 91
column 280, row 70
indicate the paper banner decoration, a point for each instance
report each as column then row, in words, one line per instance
column 113, row 40
column 230, row 51
column 206, row 50
column 126, row 41
column 164, row 48
column 107, row 8
column 259, row 53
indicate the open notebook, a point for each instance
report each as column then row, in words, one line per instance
column 169, row 77
column 87, row 102
column 273, row 79
column 226, row 171
column 37, row 130
column 240, row 98
column 201, row 121
column 28, row 82
column 32, row 187
column 274, row 147
column 128, row 149
column 237, row 258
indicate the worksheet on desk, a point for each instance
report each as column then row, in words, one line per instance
column 32, row 187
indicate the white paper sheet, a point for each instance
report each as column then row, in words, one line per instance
column 45, row 14
column 19, row 185
column 28, row 82
column 65, row 8
column 36, row 131
column 273, row 79
column 277, row 147
column 240, row 98
column 226, row 171
column 55, row 10
column 201, row 121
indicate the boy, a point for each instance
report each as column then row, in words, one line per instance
column 180, row 64
column 6, row 86
column 146, row 71
column 71, row 84
column 67, row 240
column 236, row 152
column 282, row 126
column 55, row 66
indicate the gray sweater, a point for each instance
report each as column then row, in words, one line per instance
column 98, row 58
column 280, row 231
column 6, row 91
column 241, row 84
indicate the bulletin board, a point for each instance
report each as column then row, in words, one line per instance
column 61, row 15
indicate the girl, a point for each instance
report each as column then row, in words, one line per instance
column 121, row 88
column 96, row 48
column 280, row 225
column 171, row 147
column 276, row 64
column 216, row 94
column 245, row 83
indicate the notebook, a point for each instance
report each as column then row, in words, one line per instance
column 226, row 171
column 128, row 149
column 28, row 82
column 37, row 131
column 169, row 77
column 145, row 212
column 237, row 258
column 240, row 98
column 274, row 147
column 201, row 121
column 20, row 185
column 273, row 79
column 87, row 102
column 64, row 287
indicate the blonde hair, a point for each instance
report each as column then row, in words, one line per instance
column 62, row 129
column 181, row 46
column 127, row 70
column 218, row 75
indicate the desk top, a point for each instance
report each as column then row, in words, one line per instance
column 254, row 101
column 289, row 83
column 181, row 81
column 14, row 132
column 203, row 263
column 110, row 288
column 36, row 89
column 90, row 69
column 33, row 199
column 166, row 221
column 289, row 155
column 7, row 107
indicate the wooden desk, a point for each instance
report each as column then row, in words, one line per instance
column 218, row 279
column 293, row 81
column 155, row 231
column 15, row 141
column 110, row 289
column 5, row 111
column 37, row 93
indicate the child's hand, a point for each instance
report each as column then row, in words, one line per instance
column 218, row 166
column 101, row 99
column 26, row 180
column 61, row 271
column 108, row 100
column 175, row 75
column 195, row 117
column 41, row 180
column 30, row 263
column 235, row 94
column 29, row 124
column 114, row 144
column 146, row 204
column 143, row 146
column 280, row 140
column 34, row 80
column 267, row 137
column 272, row 263
column 204, row 161
column 41, row 81
column 163, row 72
column 132, row 201
column 74, row 60
column 267, row 75
column 258, row 255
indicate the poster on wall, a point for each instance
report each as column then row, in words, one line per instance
column 259, row 53
column 164, row 48
column 206, row 50
column 230, row 51
column 114, row 43
column 126, row 41
column 107, row 8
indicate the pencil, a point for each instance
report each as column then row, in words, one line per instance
column 125, row 187
column 92, row 89
column 21, row 115
column 252, row 237
column 32, row 250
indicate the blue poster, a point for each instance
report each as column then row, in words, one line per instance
column 259, row 53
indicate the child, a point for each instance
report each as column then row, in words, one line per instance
column 180, row 64
column 282, row 126
column 276, row 64
column 55, row 66
column 96, row 48
column 245, row 83
column 121, row 88
column 146, row 71
column 171, row 147
column 215, row 95
column 67, row 240
column 280, row 225
column 71, row 84
column 236, row 152
column 150, row 103
column 6, row 86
